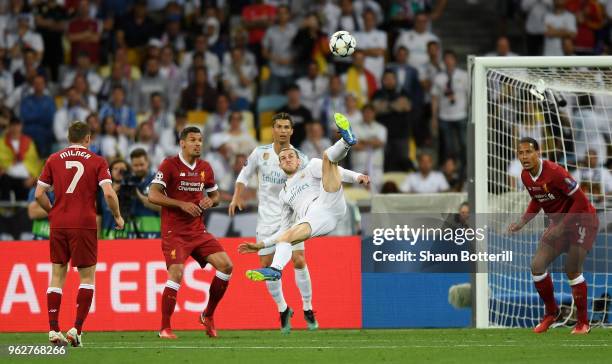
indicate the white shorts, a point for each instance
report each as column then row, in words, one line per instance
column 265, row 233
column 324, row 213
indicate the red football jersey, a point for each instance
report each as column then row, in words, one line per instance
column 552, row 187
column 75, row 174
column 187, row 183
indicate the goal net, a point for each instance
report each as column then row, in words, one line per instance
column 565, row 103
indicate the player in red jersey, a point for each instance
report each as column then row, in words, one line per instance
column 74, row 173
column 573, row 229
column 184, row 187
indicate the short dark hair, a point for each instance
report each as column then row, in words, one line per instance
column 450, row 52
column 282, row 116
column 531, row 141
column 139, row 152
column 78, row 131
column 188, row 130
column 289, row 148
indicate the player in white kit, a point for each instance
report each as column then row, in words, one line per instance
column 312, row 201
column 264, row 161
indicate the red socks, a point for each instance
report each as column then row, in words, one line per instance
column 84, row 298
column 168, row 302
column 217, row 290
column 579, row 292
column 546, row 289
column 54, row 301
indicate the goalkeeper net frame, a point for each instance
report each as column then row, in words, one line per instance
column 566, row 104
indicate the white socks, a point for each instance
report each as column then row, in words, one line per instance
column 276, row 291
column 302, row 279
column 338, row 151
column 282, row 256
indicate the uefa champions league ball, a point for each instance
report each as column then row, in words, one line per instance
column 342, row 43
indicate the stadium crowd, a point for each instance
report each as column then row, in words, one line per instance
column 139, row 71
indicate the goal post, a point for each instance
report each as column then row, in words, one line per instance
column 551, row 97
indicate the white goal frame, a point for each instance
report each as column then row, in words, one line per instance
column 478, row 67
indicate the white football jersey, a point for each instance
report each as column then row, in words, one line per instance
column 303, row 188
column 264, row 161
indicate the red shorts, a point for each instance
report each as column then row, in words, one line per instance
column 77, row 245
column 177, row 248
column 582, row 231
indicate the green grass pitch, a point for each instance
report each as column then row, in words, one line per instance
column 332, row 346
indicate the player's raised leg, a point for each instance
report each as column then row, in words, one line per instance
column 544, row 285
column 223, row 264
column 54, row 301
column 168, row 302
column 84, row 299
column 573, row 268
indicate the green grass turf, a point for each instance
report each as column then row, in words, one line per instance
column 332, row 346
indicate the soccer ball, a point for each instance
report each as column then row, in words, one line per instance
column 342, row 43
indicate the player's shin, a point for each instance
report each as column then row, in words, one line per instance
column 217, row 290
column 84, row 298
column 338, row 151
column 544, row 286
column 276, row 291
column 54, row 301
column 579, row 292
column 282, row 256
column 302, row 280
column 168, row 302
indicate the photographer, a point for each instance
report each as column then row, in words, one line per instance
column 105, row 218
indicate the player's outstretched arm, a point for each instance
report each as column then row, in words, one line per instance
column 158, row 197
column 532, row 210
column 113, row 203
column 237, row 201
column 41, row 197
column 354, row 177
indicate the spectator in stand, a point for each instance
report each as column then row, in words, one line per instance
column 120, row 60
column 36, row 111
column 199, row 95
column 368, row 155
column 329, row 103
column 502, row 48
column 13, row 101
column 20, row 66
column 559, row 24
column 7, row 86
column 278, row 52
column 393, row 110
column 134, row 30
column 220, row 159
column 451, row 173
column 417, row 40
column 150, row 82
column 535, row 28
column 352, row 112
column 568, row 47
column 218, row 121
column 349, row 19
column 24, row 38
column 50, row 19
column 158, row 116
column 145, row 139
column 425, row 180
column 170, row 137
column 85, row 69
column 316, row 142
column 239, row 77
column 408, row 79
column 84, row 34
column 19, row 162
column 74, row 109
column 239, row 139
column 329, row 13
column 82, row 87
column 113, row 144
column 123, row 115
column 449, row 108
column 173, row 36
column 117, row 78
column 95, row 144
column 299, row 113
column 256, row 18
column 590, row 19
column 240, row 40
column 142, row 176
column 310, row 44
column 171, row 71
column 514, row 171
column 210, row 60
column 401, row 13
column 358, row 80
column 594, row 179
column 313, row 87
column 374, row 44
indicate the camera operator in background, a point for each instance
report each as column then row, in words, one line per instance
column 104, row 217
